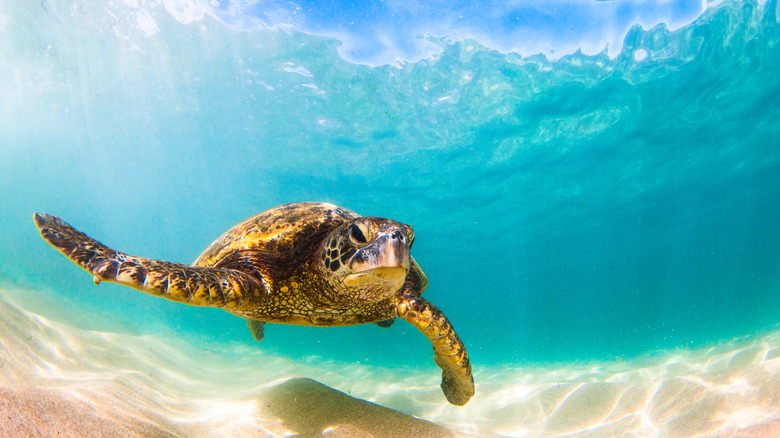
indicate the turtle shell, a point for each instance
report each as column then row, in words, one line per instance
column 289, row 229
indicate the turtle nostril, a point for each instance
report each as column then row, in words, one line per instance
column 397, row 235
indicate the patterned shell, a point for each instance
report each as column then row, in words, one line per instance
column 285, row 229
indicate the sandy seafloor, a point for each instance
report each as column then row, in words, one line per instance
column 61, row 377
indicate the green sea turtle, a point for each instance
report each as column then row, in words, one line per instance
column 306, row 263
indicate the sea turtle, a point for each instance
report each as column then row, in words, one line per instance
column 307, row 263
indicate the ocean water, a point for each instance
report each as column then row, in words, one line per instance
column 589, row 182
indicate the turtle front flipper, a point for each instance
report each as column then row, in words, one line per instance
column 449, row 353
column 194, row 285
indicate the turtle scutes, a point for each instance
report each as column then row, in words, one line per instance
column 304, row 263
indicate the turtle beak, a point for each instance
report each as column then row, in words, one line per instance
column 394, row 275
column 386, row 260
column 393, row 252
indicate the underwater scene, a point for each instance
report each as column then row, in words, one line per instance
column 593, row 187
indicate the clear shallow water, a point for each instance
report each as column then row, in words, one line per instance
column 568, row 207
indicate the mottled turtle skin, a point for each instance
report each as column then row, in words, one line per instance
column 305, row 263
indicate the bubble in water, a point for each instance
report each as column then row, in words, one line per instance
column 640, row 55
column 325, row 123
column 214, row 3
column 300, row 70
column 267, row 86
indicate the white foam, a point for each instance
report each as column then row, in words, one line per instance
column 185, row 11
column 146, row 23
column 402, row 32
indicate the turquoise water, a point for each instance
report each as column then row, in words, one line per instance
column 585, row 182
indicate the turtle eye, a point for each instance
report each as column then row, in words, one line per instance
column 357, row 234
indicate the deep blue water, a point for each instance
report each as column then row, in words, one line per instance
column 568, row 204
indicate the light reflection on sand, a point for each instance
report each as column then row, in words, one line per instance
column 167, row 384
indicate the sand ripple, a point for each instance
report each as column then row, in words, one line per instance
column 148, row 385
column 731, row 390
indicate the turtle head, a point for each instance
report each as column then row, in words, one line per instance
column 367, row 258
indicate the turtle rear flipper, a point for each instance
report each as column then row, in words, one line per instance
column 449, row 353
column 386, row 323
column 194, row 285
column 256, row 327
